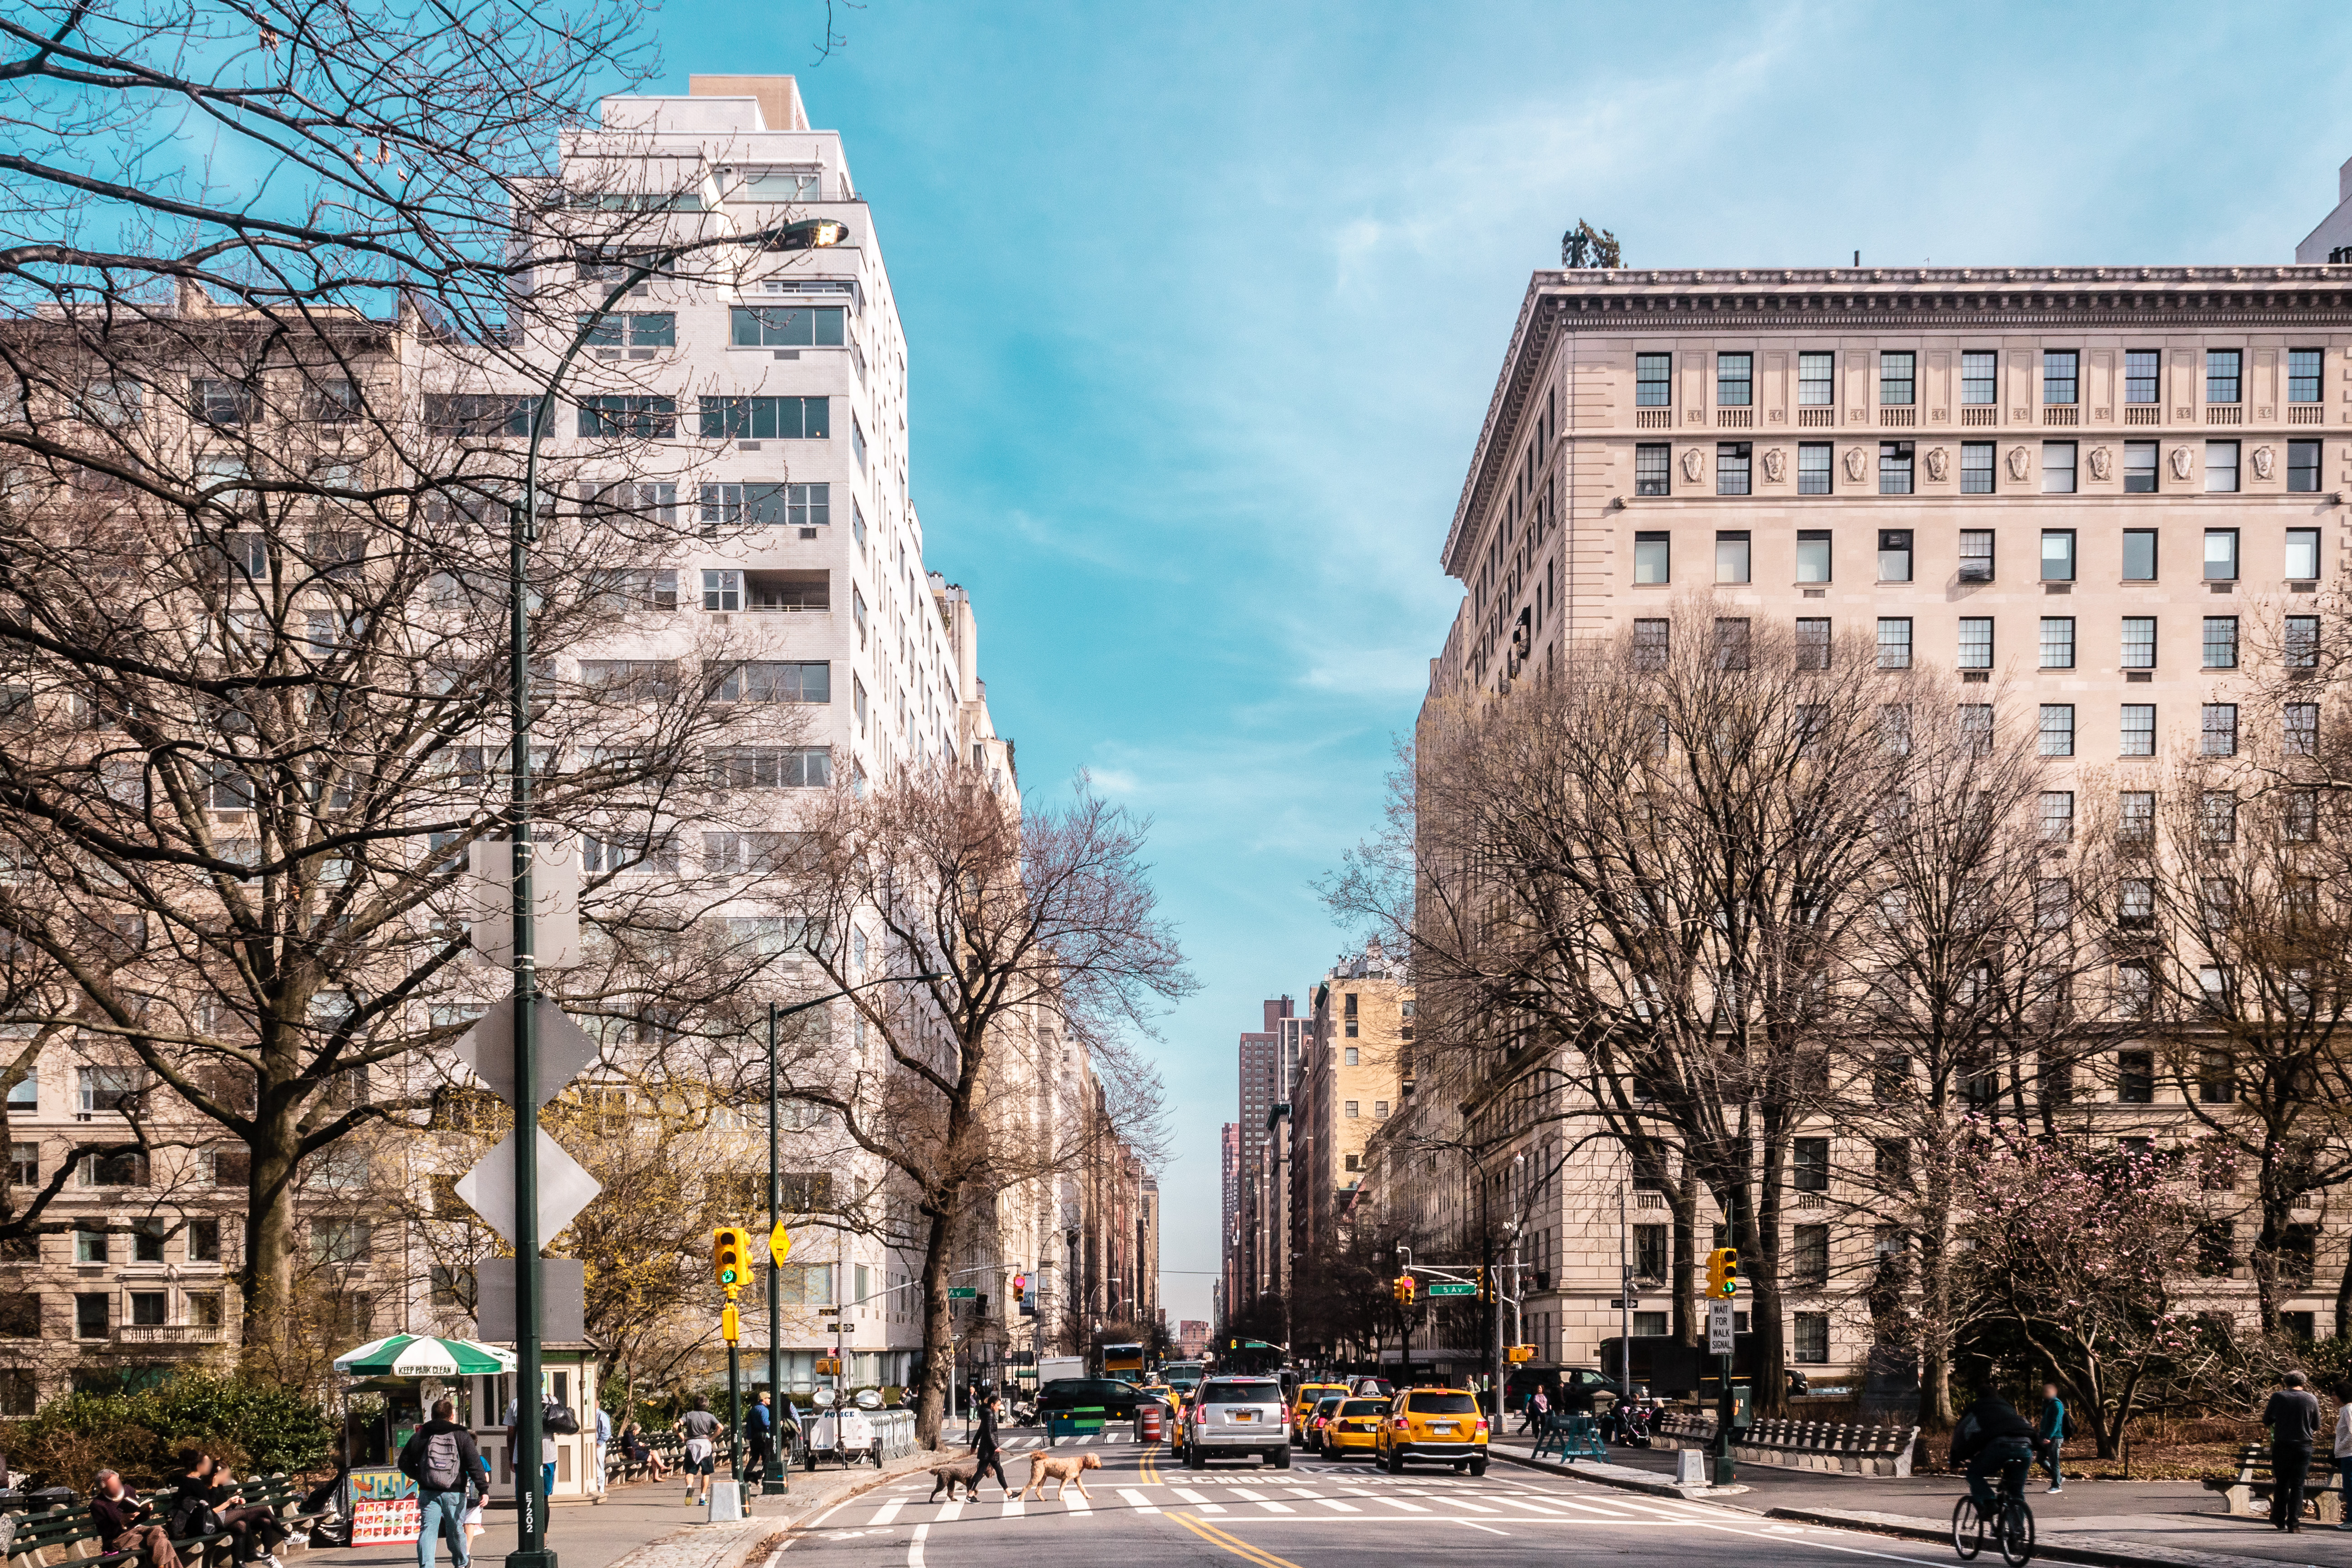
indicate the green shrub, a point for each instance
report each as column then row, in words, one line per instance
column 246, row 1426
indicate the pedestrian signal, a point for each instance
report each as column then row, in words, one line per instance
column 1522, row 1353
column 828, row 1366
column 1723, row 1272
column 731, row 1254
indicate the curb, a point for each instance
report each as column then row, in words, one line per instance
column 1624, row 1479
column 755, row 1531
column 2107, row 1552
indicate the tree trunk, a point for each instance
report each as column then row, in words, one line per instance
column 2344, row 1298
column 2264, row 1260
column 1686, row 1291
column 938, row 1334
column 267, row 1276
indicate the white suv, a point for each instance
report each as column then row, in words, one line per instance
column 1235, row 1416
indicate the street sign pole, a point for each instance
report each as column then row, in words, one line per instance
column 773, row 1479
column 530, row 1499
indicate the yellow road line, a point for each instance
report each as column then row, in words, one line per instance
column 1239, row 1548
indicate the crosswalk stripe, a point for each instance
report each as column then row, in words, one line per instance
column 1272, row 1507
column 915, row 1547
column 1136, row 1501
column 1336, row 1506
column 952, row 1509
column 1012, row 1507
column 889, row 1512
column 1408, row 1507
column 1077, row 1503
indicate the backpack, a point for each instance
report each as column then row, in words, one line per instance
column 2065, row 1423
column 441, row 1467
column 558, row 1419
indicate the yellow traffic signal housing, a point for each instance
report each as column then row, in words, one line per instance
column 1487, row 1285
column 731, row 1256
column 1404, row 1289
column 1020, row 1288
column 1723, row 1272
column 1522, row 1353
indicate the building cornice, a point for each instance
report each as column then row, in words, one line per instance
column 1561, row 304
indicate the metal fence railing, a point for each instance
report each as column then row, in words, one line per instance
column 894, row 1430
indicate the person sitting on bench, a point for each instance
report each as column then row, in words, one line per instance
column 123, row 1523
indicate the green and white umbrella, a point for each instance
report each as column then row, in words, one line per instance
column 420, row 1355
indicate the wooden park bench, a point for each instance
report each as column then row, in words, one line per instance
column 70, row 1532
column 1828, row 1446
column 1570, row 1434
column 619, row 1467
column 2248, row 1494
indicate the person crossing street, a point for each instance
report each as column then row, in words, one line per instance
column 984, row 1447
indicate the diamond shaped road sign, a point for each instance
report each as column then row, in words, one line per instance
column 564, row 1189
column 564, row 1049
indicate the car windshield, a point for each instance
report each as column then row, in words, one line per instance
column 1355, row 1407
column 1330, row 1401
column 1239, row 1393
column 1443, row 1404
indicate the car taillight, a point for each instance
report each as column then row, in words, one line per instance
column 1482, row 1428
column 1401, row 1425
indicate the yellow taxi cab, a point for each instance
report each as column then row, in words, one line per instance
column 1442, row 1424
column 1355, row 1428
column 1166, row 1395
column 1309, row 1395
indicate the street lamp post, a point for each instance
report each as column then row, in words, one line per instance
column 522, row 529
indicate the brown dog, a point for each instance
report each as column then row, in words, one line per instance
column 963, row 1472
column 1064, row 1468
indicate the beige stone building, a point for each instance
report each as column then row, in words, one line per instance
column 2084, row 485
column 1350, row 1081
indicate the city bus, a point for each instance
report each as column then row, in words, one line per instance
column 1123, row 1362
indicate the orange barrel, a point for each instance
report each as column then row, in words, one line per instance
column 1146, row 1422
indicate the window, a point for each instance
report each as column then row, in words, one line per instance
column 1897, row 379
column 2220, row 466
column 476, row 413
column 2303, row 373
column 2136, row 1078
column 1653, row 557
column 1734, row 379
column 1650, row 644
column 2141, row 367
column 1976, row 728
column 2139, row 555
column 2139, row 642
column 1380, row 1109
column 2221, row 642
column 1979, row 379
column 1731, row 645
column 2136, row 815
column 1894, row 468
column 1652, row 1245
column 2303, row 553
column 90, row 1315
column 1731, row 556
column 1815, row 473
column 20, row 1316
column 2303, row 469
column 1652, row 470
column 25, row 1094
column 2220, row 554
column 1651, row 1325
column 1895, row 642
column 2302, row 642
column 802, row 326
column 2057, row 468
column 1810, row 1337
column 340, row 1240
column 2057, row 815
column 2135, row 988
column 642, row 417
column 769, row 767
column 25, row 1163
column 1351, row 1110
column 90, row 1246
column 203, row 1241
column 2302, row 729
column 2217, row 1077
column 1808, row 1261
column 2221, row 375
column 2059, row 376
column 2217, row 730
column 147, row 1241
column 106, row 1087
column 1976, row 642
column 766, row 418
column 1653, row 381
column 776, row 680
column 1813, row 554
column 127, row 1169
column 1895, row 555
column 722, row 590
column 2139, row 468
column 2138, row 729
column 2057, row 642
column 1976, row 468
column 1976, row 555
column 1813, row 643
column 1731, row 468
column 2057, row 555
column 1816, row 381
column 2056, row 730
column 226, row 403
column 2301, row 816
column 1810, row 1164
column 1349, row 1057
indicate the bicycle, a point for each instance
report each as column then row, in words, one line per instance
column 2011, row 1529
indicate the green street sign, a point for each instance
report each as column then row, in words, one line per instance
column 963, row 1293
column 1451, row 1288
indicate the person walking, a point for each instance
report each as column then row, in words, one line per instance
column 2050, row 1435
column 759, row 1436
column 1539, row 1407
column 2293, row 1416
column 983, row 1446
column 604, row 1439
column 2343, row 1444
column 700, row 1430
column 124, row 1521
column 444, row 1462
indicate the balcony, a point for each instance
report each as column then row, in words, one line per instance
column 2225, row 414
column 2306, row 414
column 2063, row 413
column 154, row 1335
column 787, row 593
column 1897, row 417
column 2143, row 414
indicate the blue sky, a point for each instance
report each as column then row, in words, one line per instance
column 1205, row 302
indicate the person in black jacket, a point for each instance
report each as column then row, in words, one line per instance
column 444, row 1462
column 983, row 1445
column 126, row 1523
column 1992, row 1435
column 2293, row 1416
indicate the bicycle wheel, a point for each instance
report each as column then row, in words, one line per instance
column 2016, row 1533
column 1967, row 1529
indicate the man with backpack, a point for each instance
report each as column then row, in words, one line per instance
column 2050, row 1430
column 443, row 1461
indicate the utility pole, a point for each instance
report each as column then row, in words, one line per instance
column 774, row 1479
column 1624, row 1301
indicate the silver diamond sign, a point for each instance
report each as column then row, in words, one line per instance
column 562, row 1048
column 564, row 1189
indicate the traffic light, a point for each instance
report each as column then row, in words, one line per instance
column 1487, row 1285
column 1020, row 1288
column 1522, row 1353
column 1402, row 1290
column 731, row 1254
column 1723, row 1272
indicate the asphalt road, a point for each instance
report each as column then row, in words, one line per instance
column 1143, row 1514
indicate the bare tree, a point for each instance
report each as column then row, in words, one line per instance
column 1041, row 950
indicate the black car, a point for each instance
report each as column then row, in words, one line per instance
column 1116, row 1399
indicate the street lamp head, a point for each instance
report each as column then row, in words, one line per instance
column 808, row 234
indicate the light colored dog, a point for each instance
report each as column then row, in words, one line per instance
column 1063, row 1467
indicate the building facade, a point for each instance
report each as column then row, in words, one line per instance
column 1350, row 1081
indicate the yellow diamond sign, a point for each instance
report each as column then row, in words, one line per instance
column 780, row 1245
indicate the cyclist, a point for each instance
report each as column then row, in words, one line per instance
column 1992, row 1435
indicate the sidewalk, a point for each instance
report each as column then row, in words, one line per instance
column 648, row 1525
column 2121, row 1522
